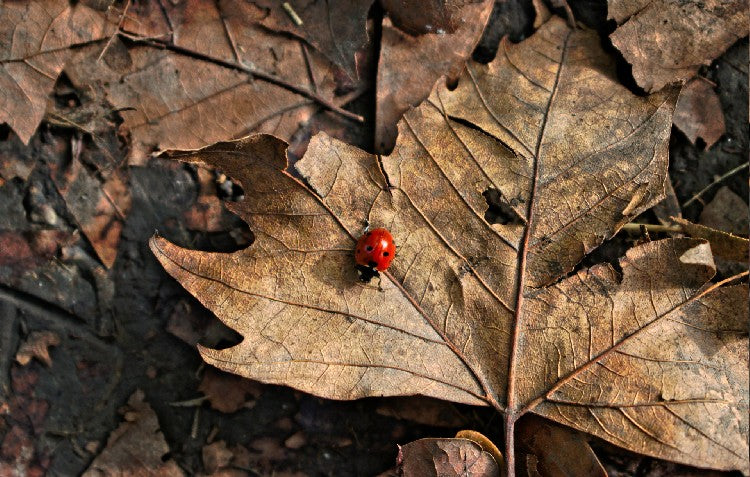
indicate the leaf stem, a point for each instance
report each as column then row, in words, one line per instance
column 636, row 227
column 256, row 73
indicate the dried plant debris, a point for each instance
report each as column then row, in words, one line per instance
column 698, row 113
column 137, row 447
column 37, row 346
column 667, row 41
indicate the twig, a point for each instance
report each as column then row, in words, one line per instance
column 719, row 179
column 655, row 228
column 292, row 14
column 119, row 27
column 189, row 403
column 246, row 69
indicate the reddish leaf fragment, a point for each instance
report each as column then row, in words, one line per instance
column 24, row 251
column 228, row 392
column 216, row 456
column 728, row 212
column 136, row 447
column 446, row 458
column 698, row 113
column 99, row 205
column 37, row 346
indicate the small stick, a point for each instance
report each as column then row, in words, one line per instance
column 292, row 14
column 705, row 189
column 635, row 227
column 189, row 403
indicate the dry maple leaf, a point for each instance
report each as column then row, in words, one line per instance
column 649, row 359
column 35, row 41
column 668, row 40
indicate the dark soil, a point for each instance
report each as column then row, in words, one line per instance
column 112, row 323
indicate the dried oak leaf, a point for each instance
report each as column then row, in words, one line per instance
column 666, row 41
column 557, row 451
column 698, row 113
column 35, row 41
column 446, row 458
column 645, row 360
column 137, row 447
column 37, row 346
column 410, row 65
column 187, row 92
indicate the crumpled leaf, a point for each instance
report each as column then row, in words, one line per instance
column 136, row 447
column 698, row 113
column 409, row 64
column 446, row 458
column 574, row 155
column 666, row 41
column 723, row 244
column 35, row 38
column 37, row 346
column 185, row 93
column 556, row 450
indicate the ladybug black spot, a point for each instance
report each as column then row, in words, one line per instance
column 369, row 248
column 372, row 264
column 385, row 254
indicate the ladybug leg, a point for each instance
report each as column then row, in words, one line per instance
column 367, row 226
column 380, row 281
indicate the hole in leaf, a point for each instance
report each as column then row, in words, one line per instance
column 498, row 210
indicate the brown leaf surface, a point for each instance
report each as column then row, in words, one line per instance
column 227, row 392
column 723, row 244
column 35, row 41
column 136, row 447
column 335, row 28
column 666, row 41
column 728, row 212
column 558, row 451
column 698, row 113
column 574, row 155
column 410, row 65
column 186, row 92
column 446, row 458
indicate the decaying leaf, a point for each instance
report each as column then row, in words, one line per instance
column 666, row 41
column 335, row 28
column 37, row 346
column 557, row 451
column 648, row 359
column 428, row 411
column 446, row 458
column 189, row 92
column 409, row 64
column 136, row 447
column 34, row 47
column 698, row 113
column 99, row 205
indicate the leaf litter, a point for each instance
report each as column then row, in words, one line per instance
column 615, row 353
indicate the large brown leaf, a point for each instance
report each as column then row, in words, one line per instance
column 35, row 41
column 645, row 360
column 668, row 40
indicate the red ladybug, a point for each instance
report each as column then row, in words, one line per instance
column 375, row 251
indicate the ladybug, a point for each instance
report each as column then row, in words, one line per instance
column 374, row 253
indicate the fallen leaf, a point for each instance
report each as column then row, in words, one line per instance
column 296, row 440
column 728, row 212
column 185, row 92
column 485, row 443
column 446, row 458
column 99, row 205
column 35, row 41
column 137, row 447
column 723, row 244
column 37, row 346
column 574, row 155
column 227, row 392
column 667, row 41
column 410, row 65
column 698, row 113
column 670, row 206
column 208, row 213
column 423, row 410
column 335, row 28
column 558, row 451
column 23, row 251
